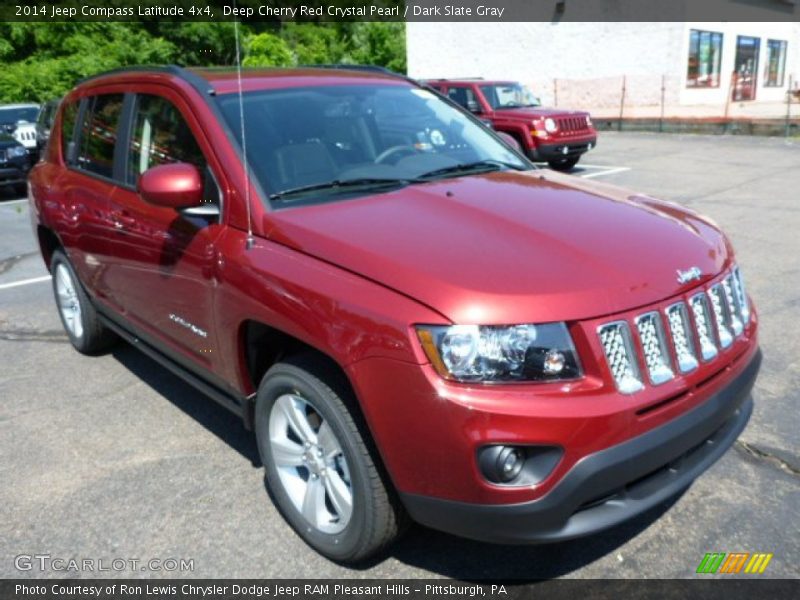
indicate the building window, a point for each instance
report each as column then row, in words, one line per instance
column 776, row 63
column 705, row 57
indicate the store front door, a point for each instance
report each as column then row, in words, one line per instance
column 746, row 68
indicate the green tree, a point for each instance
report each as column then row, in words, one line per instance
column 379, row 43
column 267, row 50
column 312, row 43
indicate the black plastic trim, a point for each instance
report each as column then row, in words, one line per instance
column 612, row 485
column 553, row 151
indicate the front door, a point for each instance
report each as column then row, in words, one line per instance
column 163, row 261
column 746, row 68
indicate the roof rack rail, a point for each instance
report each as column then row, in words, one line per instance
column 356, row 67
column 173, row 69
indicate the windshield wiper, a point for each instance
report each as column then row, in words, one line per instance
column 340, row 184
column 480, row 166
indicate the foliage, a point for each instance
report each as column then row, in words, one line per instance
column 40, row 60
column 267, row 50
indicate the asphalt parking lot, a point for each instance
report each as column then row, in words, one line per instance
column 113, row 457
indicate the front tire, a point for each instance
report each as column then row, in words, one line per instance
column 563, row 164
column 86, row 332
column 321, row 470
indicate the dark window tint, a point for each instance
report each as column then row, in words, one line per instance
column 465, row 97
column 160, row 136
column 99, row 134
column 68, row 117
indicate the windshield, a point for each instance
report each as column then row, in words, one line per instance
column 14, row 115
column 509, row 95
column 330, row 142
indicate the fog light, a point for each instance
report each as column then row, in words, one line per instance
column 502, row 464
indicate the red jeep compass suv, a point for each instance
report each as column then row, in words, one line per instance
column 411, row 317
column 556, row 136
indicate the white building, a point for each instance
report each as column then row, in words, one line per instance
column 585, row 65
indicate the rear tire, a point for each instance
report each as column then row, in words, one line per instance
column 563, row 164
column 321, row 469
column 86, row 332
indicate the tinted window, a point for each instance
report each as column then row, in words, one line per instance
column 465, row 97
column 12, row 116
column 68, row 117
column 99, row 134
column 160, row 136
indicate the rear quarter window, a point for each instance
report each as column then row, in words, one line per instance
column 68, row 117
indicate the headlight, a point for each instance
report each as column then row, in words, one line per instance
column 588, row 121
column 477, row 353
column 550, row 125
column 16, row 151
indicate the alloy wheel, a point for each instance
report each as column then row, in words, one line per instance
column 310, row 463
column 68, row 302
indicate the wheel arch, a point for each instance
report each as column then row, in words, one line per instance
column 48, row 243
column 262, row 346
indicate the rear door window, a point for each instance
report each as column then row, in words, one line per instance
column 99, row 134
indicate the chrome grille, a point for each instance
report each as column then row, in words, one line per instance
column 656, row 354
column 682, row 338
column 720, row 315
column 616, row 340
column 702, row 323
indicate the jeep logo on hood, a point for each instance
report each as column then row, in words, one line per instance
column 689, row 274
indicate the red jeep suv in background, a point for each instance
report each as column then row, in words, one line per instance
column 412, row 318
column 557, row 137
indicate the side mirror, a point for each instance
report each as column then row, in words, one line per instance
column 510, row 140
column 175, row 185
column 474, row 108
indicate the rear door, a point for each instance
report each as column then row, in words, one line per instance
column 89, row 131
column 162, row 268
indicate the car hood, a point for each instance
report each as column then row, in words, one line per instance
column 530, row 113
column 511, row 247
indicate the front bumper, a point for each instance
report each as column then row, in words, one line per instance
column 562, row 150
column 609, row 486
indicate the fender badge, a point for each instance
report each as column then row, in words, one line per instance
column 689, row 274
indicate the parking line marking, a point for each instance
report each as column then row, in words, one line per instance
column 5, row 286
column 610, row 171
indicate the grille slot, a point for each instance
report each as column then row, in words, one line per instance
column 741, row 295
column 702, row 323
column 720, row 311
column 734, row 320
column 656, row 354
column 621, row 359
column 682, row 338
